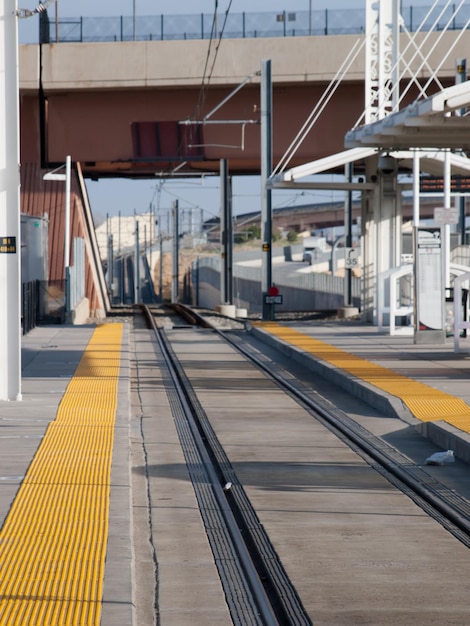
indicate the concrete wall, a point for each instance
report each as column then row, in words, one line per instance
column 144, row 64
column 301, row 292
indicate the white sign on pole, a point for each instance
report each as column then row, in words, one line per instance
column 446, row 215
column 429, row 285
column 351, row 257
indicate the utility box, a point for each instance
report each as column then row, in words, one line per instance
column 34, row 248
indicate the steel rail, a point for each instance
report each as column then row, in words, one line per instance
column 377, row 450
column 253, row 582
column 441, row 499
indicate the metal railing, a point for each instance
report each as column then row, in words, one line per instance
column 236, row 26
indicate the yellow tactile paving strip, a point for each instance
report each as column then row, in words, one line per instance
column 426, row 403
column 53, row 542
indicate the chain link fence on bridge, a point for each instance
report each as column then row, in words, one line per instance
column 234, row 25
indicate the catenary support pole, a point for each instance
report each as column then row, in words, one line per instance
column 226, row 235
column 348, row 236
column 266, row 169
column 175, row 256
column 10, row 273
column 137, row 264
column 461, row 77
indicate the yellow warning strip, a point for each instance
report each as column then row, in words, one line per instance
column 425, row 403
column 53, row 542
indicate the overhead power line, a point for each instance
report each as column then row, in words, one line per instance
column 205, row 81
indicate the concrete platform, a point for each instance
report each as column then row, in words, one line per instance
column 392, row 362
column 50, row 357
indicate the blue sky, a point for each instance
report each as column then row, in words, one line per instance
column 112, row 196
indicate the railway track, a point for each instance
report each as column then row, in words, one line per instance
column 257, row 588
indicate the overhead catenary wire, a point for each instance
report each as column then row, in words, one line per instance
column 205, row 83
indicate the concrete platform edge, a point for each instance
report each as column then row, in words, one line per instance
column 447, row 437
column 443, row 435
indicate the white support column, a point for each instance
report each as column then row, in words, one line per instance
column 382, row 217
column 10, row 245
column 68, row 173
column 416, row 175
column 381, row 56
column 369, row 238
column 447, row 194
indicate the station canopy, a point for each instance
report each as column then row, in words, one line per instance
column 429, row 125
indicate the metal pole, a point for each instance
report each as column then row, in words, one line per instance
column 68, row 162
column 310, row 17
column 226, row 235
column 446, row 227
column 348, row 236
column 229, row 241
column 461, row 77
column 266, row 169
column 133, row 21
column 110, row 265
column 175, row 259
column 67, row 233
column 416, row 176
column 152, row 228
column 56, row 23
column 137, row 265
column 160, row 278
column 119, row 232
column 10, row 249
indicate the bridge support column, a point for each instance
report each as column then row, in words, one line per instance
column 381, row 232
column 10, row 245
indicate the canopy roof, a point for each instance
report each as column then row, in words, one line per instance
column 433, row 122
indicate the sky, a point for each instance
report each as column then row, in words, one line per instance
column 126, row 196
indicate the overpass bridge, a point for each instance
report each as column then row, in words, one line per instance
column 120, row 109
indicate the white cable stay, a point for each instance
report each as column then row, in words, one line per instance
column 402, row 56
column 417, row 51
column 319, row 108
column 432, row 78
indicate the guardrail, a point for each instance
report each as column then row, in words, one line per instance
column 233, row 26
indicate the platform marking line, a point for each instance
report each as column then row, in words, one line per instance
column 425, row 403
column 53, row 541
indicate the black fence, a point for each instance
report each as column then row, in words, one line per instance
column 235, row 25
column 30, row 306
